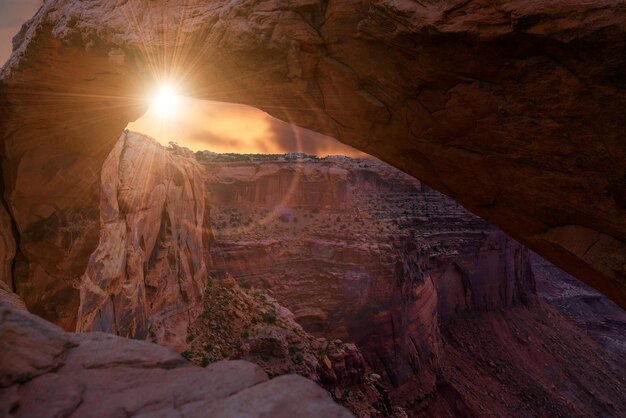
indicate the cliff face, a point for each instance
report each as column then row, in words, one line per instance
column 378, row 260
column 496, row 104
column 145, row 277
column 435, row 298
column 353, row 232
column 400, row 329
column 592, row 311
column 8, row 247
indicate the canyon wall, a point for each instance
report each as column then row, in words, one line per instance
column 496, row 104
column 589, row 309
column 145, row 275
column 363, row 252
column 441, row 304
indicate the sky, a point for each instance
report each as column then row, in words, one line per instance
column 227, row 127
column 199, row 124
column 12, row 14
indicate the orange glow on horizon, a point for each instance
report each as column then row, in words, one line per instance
column 226, row 127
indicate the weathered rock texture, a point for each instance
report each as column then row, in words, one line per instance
column 8, row 247
column 147, row 276
column 592, row 311
column 247, row 324
column 524, row 361
column 515, row 109
column 45, row 371
column 404, row 273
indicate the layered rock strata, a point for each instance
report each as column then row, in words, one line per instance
column 385, row 262
column 495, row 104
column 345, row 242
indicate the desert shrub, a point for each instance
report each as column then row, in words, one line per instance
column 297, row 358
column 186, row 354
column 204, row 362
column 269, row 317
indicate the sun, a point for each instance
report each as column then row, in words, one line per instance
column 166, row 101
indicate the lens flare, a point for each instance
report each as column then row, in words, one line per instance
column 166, row 102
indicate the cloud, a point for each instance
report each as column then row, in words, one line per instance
column 227, row 127
column 290, row 138
column 207, row 140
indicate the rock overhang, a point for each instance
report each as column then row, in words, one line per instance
column 514, row 110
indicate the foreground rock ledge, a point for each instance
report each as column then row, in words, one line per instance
column 515, row 109
column 45, row 371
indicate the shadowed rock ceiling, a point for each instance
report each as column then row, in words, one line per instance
column 515, row 109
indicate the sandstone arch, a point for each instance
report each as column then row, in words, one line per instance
column 515, row 109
